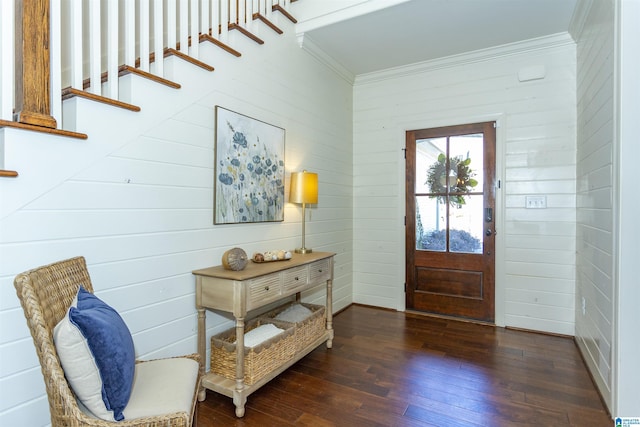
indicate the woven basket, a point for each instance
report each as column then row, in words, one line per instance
column 259, row 360
column 307, row 330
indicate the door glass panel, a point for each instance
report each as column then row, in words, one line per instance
column 448, row 194
column 431, row 224
column 427, row 152
column 466, row 153
column 465, row 226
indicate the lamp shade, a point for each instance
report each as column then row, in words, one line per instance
column 304, row 187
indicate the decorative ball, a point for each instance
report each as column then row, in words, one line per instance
column 258, row 257
column 234, row 259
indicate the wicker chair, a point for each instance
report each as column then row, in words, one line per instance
column 46, row 294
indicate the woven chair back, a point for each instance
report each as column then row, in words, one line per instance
column 45, row 294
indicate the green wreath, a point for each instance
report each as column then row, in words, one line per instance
column 440, row 184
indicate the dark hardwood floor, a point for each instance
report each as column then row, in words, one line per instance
column 389, row 368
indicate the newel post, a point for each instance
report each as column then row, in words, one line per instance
column 33, row 105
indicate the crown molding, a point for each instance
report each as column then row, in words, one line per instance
column 579, row 18
column 531, row 45
column 307, row 44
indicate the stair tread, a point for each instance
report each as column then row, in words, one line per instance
column 60, row 132
column 70, row 92
column 211, row 39
column 170, row 51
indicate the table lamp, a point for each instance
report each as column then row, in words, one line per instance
column 304, row 189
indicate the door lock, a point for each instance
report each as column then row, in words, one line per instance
column 488, row 214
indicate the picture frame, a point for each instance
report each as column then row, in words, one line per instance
column 249, row 169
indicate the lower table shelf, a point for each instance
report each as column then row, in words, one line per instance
column 239, row 391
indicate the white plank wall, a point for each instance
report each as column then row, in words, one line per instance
column 625, row 367
column 595, row 215
column 536, row 156
column 136, row 199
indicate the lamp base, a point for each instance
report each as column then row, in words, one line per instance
column 303, row 250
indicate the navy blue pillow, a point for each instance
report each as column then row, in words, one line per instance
column 110, row 341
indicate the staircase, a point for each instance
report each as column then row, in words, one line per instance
column 51, row 88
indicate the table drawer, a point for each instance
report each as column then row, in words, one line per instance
column 319, row 271
column 294, row 279
column 263, row 290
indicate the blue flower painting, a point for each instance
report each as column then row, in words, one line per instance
column 249, row 170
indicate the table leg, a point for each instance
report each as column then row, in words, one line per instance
column 239, row 399
column 202, row 349
column 329, row 310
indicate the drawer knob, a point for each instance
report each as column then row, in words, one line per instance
column 297, row 278
column 320, row 270
column 266, row 288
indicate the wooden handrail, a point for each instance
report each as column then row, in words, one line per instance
column 33, row 106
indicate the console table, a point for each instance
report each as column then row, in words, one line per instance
column 238, row 292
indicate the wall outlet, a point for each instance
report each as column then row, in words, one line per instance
column 536, row 202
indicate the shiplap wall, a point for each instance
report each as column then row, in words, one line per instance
column 595, row 190
column 136, row 198
column 626, row 369
column 535, row 261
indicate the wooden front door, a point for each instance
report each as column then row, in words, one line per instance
column 450, row 217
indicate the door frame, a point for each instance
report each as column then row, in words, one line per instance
column 500, row 270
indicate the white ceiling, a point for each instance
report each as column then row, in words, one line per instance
column 422, row 30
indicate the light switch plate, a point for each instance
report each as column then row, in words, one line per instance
column 536, row 202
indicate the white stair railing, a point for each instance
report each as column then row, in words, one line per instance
column 113, row 44
column 194, row 33
column 75, row 61
column 91, row 38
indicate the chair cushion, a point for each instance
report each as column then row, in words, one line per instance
column 163, row 386
column 97, row 355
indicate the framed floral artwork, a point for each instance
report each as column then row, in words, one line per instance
column 249, row 169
